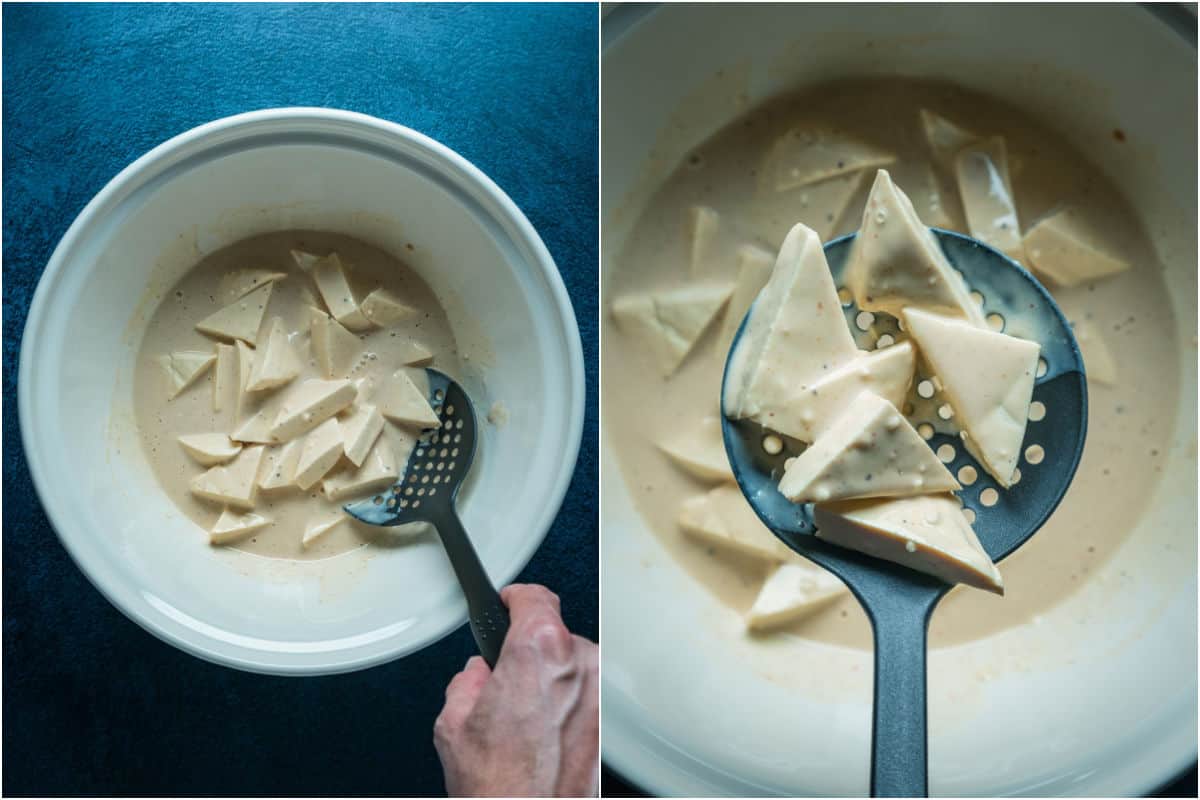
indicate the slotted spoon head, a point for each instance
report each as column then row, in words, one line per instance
column 437, row 465
column 898, row 600
column 1061, row 388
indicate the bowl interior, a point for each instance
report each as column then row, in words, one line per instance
column 1065, row 705
column 274, row 171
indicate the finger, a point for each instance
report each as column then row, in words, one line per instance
column 537, row 634
column 462, row 693
column 472, row 677
column 524, row 598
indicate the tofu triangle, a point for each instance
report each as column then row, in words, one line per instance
column 335, row 347
column 701, row 451
column 988, row 379
column 795, row 334
column 400, row 400
column 929, row 534
column 233, row 525
column 803, row 156
column 240, row 319
column 811, row 408
column 412, row 354
column 724, row 519
column 183, row 367
column 794, row 590
column 240, row 283
column 277, row 363
column 670, row 322
column 895, row 261
column 870, row 450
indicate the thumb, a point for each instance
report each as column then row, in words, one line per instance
column 462, row 693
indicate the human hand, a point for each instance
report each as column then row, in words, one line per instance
column 531, row 726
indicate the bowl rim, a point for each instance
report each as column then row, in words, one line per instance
column 436, row 157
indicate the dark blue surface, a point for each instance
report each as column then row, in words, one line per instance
column 92, row 704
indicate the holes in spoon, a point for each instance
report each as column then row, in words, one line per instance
column 864, row 320
column 1037, row 411
column 946, row 453
column 1042, row 368
column 967, row 475
column 995, row 322
column 1035, row 453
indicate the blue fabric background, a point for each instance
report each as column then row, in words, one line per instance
column 92, row 704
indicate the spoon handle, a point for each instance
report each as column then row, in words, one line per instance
column 487, row 612
column 899, row 744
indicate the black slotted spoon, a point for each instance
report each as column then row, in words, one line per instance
column 426, row 492
column 899, row 601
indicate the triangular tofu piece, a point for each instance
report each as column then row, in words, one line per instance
column 183, row 367
column 987, row 195
column 944, row 137
column 279, row 465
column 384, row 309
column 241, row 319
column 753, row 270
column 232, row 526
column 724, row 519
column 988, row 379
column 688, row 311
column 870, row 450
column 276, row 363
column 233, row 484
column 227, row 383
column 1059, row 249
column 306, row 261
column 820, row 206
column 794, row 590
column 412, row 353
column 245, row 362
column 702, row 227
column 1097, row 358
column 401, row 401
column 360, row 428
column 928, row 534
column 379, row 469
column 209, row 449
column 668, row 323
column 810, row 409
column 308, row 405
column 701, row 452
column 795, row 334
column 319, row 527
column 336, row 349
column 238, row 284
column 809, row 155
column 895, row 261
column 330, row 278
column 322, row 449
column 929, row 201
column 256, row 428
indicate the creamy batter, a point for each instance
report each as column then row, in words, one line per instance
column 211, row 285
column 1129, row 427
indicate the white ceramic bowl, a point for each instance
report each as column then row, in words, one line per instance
column 275, row 170
column 691, row 707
